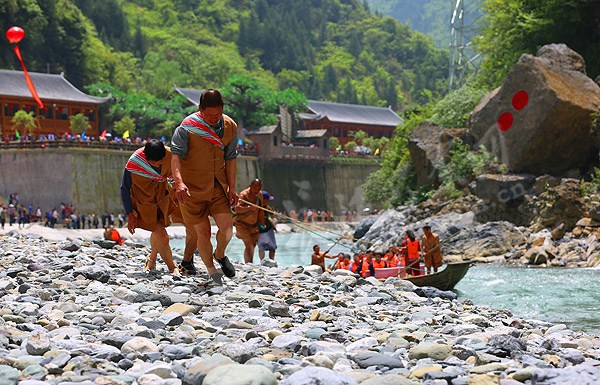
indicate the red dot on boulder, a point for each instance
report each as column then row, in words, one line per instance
column 520, row 100
column 505, row 121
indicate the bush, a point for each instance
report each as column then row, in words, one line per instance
column 454, row 109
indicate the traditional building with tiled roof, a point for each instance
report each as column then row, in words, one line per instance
column 340, row 119
column 192, row 95
column 61, row 100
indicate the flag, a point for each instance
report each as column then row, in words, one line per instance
column 17, row 134
column 162, row 138
column 103, row 134
column 126, row 134
column 376, row 151
column 83, row 136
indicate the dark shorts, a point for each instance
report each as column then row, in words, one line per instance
column 266, row 241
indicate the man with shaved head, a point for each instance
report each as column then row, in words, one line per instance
column 247, row 218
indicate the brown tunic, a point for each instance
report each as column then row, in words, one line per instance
column 204, row 163
column 433, row 258
column 150, row 199
column 247, row 217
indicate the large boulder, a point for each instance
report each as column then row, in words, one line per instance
column 502, row 188
column 429, row 146
column 548, row 129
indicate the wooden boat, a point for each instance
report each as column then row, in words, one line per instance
column 444, row 280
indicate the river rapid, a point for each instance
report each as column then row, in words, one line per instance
column 569, row 296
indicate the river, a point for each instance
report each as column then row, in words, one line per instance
column 569, row 296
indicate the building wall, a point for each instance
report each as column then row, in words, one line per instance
column 342, row 130
column 88, row 178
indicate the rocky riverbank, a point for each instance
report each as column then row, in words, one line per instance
column 82, row 312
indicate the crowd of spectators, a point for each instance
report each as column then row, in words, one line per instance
column 65, row 214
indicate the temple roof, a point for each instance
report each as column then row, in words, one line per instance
column 353, row 113
column 48, row 87
column 304, row 134
column 192, row 95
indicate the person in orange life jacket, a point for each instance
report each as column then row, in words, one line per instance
column 338, row 263
column 146, row 201
column 346, row 264
column 366, row 264
column 411, row 249
column 318, row 258
column 204, row 165
column 391, row 258
column 379, row 261
column 353, row 267
column 115, row 236
column 343, row 262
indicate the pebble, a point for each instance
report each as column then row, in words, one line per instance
column 104, row 322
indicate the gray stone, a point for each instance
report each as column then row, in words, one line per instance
column 315, row 333
column 197, row 372
column 507, row 343
column 364, row 360
column 279, row 309
column 236, row 374
column 573, row 356
column 432, row 292
column 436, row 351
column 8, row 375
column 503, row 188
column 285, row 341
column 320, row 376
column 38, row 345
column 240, row 352
column 175, row 352
column 582, row 374
column 388, row 379
column 561, row 56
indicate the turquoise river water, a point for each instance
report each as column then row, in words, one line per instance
column 569, row 296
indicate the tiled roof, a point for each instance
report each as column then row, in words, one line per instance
column 263, row 130
column 354, row 113
column 192, row 95
column 48, row 87
column 300, row 134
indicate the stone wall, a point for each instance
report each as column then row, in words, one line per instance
column 90, row 179
column 319, row 186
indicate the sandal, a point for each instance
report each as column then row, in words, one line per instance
column 187, row 268
column 150, row 264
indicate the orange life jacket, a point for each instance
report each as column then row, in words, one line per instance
column 412, row 250
column 380, row 264
column 365, row 267
column 392, row 259
column 353, row 266
column 344, row 265
column 116, row 237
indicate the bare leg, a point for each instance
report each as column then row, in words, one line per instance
column 159, row 241
column 205, row 248
column 249, row 251
column 261, row 254
column 224, row 222
column 191, row 242
column 272, row 255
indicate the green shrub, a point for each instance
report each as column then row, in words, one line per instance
column 454, row 109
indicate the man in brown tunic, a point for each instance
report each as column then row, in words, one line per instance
column 204, row 165
column 318, row 258
column 146, row 200
column 247, row 218
column 433, row 254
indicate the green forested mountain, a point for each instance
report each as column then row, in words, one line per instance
column 431, row 17
column 333, row 50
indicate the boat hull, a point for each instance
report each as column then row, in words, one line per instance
column 443, row 280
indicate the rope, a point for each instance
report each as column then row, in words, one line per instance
column 291, row 220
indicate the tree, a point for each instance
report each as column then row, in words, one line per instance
column 333, row 143
column 79, row 123
column 124, row 125
column 25, row 121
column 350, row 146
column 359, row 136
column 515, row 27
